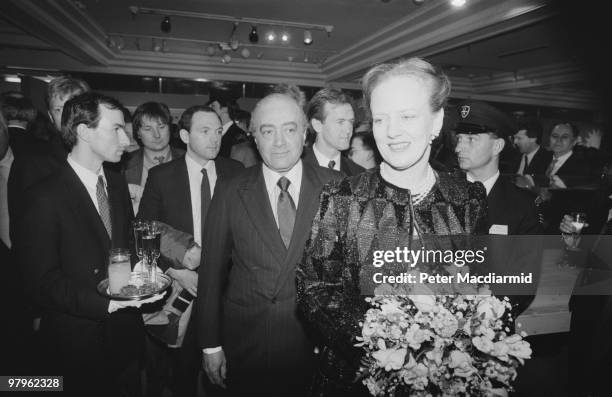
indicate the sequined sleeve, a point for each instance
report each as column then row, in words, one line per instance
column 329, row 300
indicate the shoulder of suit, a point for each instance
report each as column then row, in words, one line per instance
column 229, row 163
column 516, row 194
column 458, row 191
column 166, row 169
column 177, row 152
column 354, row 168
column 132, row 158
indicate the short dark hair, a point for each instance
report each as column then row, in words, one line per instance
column 316, row 106
column 533, row 128
column 187, row 116
column 127, row 116
column 152, row 110
column 18, row 108
column 84, row 109
column 367, row 138
column 243, row 116
column 64, row 86
column 231, row 105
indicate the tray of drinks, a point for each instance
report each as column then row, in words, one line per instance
column 140, row 285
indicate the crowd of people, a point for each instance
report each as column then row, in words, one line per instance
column 272, row 219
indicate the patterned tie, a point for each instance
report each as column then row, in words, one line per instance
column 204, row 196
column 331, row 164
column 104, row 206
column 159, row 159
column 286, row 211
column 551, row 167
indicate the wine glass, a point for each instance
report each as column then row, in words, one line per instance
column 151, row 241
column 572, row 240
column 138, row 227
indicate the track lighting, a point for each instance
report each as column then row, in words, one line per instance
column 253, row 36
column 284, row 37
column 307, row 37
column 166, row 26
column 271, row 36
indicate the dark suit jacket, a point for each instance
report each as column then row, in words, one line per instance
column 250, row 308
column 347, row 166
column 134, row 161
column 167, row 195
column 63, row 247
column 514, row 208
column 538, row 164
column 233, row 136
column 44, row 159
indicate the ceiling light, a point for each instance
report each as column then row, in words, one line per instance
column 253, row 36
column 458, row 3
column 307, row 37
column 12, row 79
column 285, row 37
column 166, row 26
column 271, row 36
column 418, row 2
column 226, row 58
column 200, row 80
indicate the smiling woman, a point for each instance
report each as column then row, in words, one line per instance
column 402, row 203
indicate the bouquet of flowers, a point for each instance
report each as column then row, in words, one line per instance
column 418, row 343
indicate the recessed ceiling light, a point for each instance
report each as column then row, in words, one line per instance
column 458, row 3
column 270, row 36
column 12, row 79
column 285, row 37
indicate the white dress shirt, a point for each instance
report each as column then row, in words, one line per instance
column 5, row 169
column 529, row 159
column 488, row 183
column 560, row 161
column 226, row 127
column 323, row 160
column 89, row 179
column 194, row 171
column 271, row 179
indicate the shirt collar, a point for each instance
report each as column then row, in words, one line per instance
column 226, row 126
column 488, row 183
column 89, row 178
column 152, row 162
column 16, row 126
column 194, row 167
column 324, row 160
column 294, row 175
column 564, row 156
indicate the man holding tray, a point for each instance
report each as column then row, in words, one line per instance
column 72, row 219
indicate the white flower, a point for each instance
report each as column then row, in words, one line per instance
column 390, row 358
column 435, row 356
column 373, row 386
column 415, row 336
column 483, row 344
column 517, row 347
column 462, row 363
column 492, row 308
column 415, row 374
column 390, row 307
column 445, row 324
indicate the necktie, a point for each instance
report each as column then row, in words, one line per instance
column 204, row 197
column 331, row 164
column 159, row 159
column 286, row 211
column 551, row 167
column 104, row 206
column 525, row 164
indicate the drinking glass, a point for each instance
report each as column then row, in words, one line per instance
column 572, row 240
column 119, row 269
column 138, row 226
column 151, row 241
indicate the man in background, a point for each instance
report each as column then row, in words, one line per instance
column 232, row 133
column 528, row 140
column 331, row 115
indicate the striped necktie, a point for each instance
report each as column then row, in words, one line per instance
column 286, row 211
column 104, row 206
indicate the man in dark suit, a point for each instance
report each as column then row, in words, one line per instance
column 71, row 220
column 151, row 123
column 260, row 219
column 232, row 133
column 44, row 157
column 173, row 194
column 534, row 158
column 511, row 210
column 19, row 113
column 331, row 115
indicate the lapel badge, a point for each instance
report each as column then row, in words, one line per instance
column 465, row 111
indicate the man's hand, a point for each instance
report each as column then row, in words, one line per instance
column 215, row 367
column 114, row 305
column 188, row 279
column 192, row 257
column 593, row 138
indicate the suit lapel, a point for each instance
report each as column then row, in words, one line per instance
column 133, row 173
column 182, row 192
column 85, row 209
column 254, row 197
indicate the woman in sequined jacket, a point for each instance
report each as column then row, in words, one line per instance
column 402, row 203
